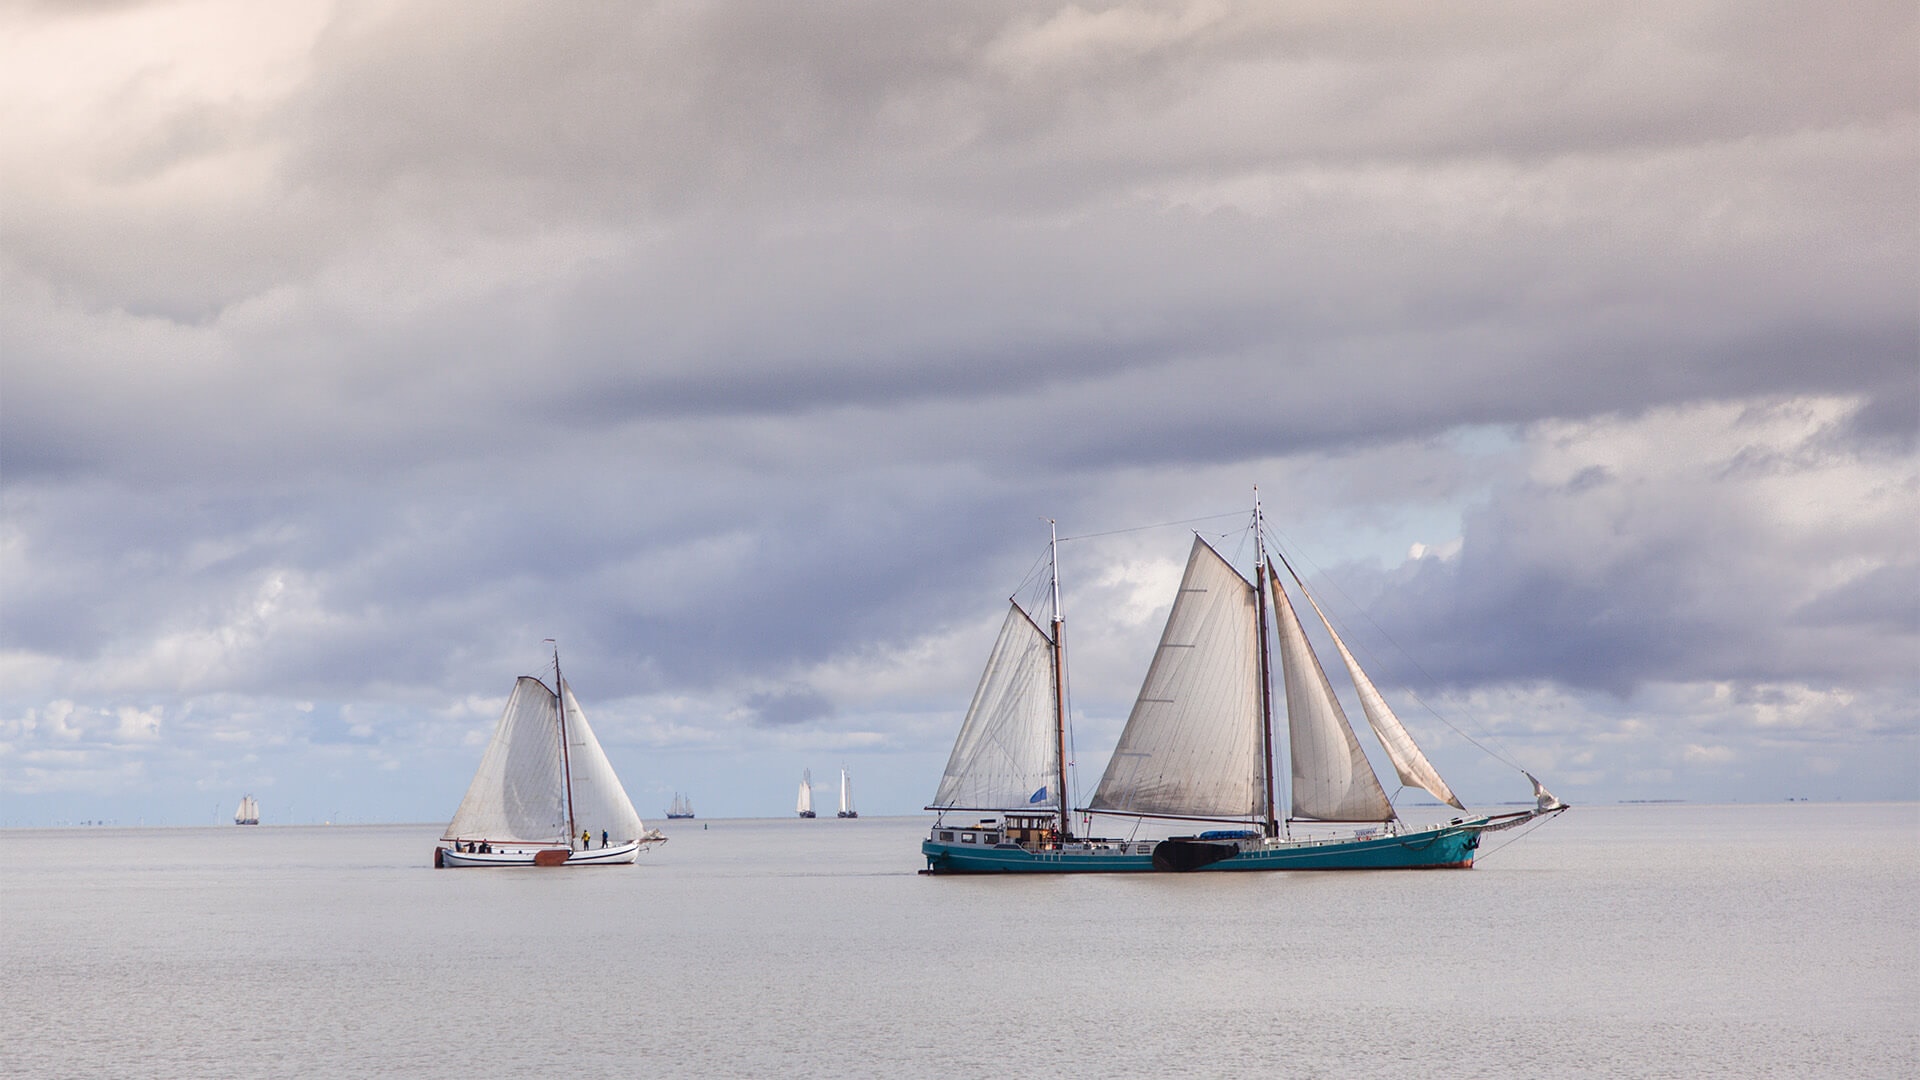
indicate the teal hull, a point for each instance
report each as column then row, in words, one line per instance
column 1447, row 847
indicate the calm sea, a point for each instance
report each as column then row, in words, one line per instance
column 1674, row 940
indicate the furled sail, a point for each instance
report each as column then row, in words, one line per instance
column 1192, row 745
column 600, row 804
column 1332, row 780
column 1412, row 765
column 519, row 792
column 1006, row 756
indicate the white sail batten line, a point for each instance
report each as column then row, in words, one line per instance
column 1409, row 763
column 1191, row 743
column 1332, row 779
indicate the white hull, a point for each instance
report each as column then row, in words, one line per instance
column 524, row 855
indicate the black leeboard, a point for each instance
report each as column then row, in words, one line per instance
column 1181, row 855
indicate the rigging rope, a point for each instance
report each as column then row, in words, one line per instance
column 1499, row 755
column 1143, row 528
column 1542, row 820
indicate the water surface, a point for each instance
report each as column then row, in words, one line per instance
column 1775, row 940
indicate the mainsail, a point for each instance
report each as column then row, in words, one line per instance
column 1412, row 765
column 805, row 803
column 520, row 792
column 1006, row 757
column 1332, row 780
column 846, row 794
column 1192, row 746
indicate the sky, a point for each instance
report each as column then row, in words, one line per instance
column 349, row 351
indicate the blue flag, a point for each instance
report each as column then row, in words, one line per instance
column 1038, row 796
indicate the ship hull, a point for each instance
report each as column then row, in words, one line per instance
column 1449, row 847
column 537, row 855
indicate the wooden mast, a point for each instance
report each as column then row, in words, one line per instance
column 566, row 765
column 1266, row 678
column 1059, row 680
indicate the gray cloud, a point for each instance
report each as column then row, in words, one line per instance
column 736, row 348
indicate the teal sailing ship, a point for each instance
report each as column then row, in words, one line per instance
column 1198, row 746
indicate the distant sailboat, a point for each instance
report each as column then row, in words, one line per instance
column 1198, row 746
column 545, row 791
column 846, row 795
column 680, row 809
column 805, row 805
column 248, row 813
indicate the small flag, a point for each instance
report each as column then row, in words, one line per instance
column 1038, row 796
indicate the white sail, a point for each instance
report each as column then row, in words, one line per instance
column 519, row 792
column 805, row 805
column 1412, row 765
column 1006, row 756
column 1332, row 780
column 600, row 804
column 846, row 794
column 1192, row 745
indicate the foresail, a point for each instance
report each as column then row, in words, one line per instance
column 519, row 792
column 1332, row 780
column 600, row 804
column 1191, row 747
column 1412, row 765
column 1006, row 756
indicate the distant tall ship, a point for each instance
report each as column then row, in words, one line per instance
column 545, row 793
column 248, row 813
column 1199, row 746
column 805, row 805
column 680, row 809
column 846, row 795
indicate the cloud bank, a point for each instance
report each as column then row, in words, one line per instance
column 350, row 350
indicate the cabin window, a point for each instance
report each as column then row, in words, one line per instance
column 967, row 838
column 946, row 836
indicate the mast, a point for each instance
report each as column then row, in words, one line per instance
column 1059, row 678
column 566, row 766
column 1266, row 679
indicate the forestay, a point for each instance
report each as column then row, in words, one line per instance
column 1006, row 757
column 1331, row 778
column 1412, row 766
column 1191, row 747
column 519, row 792
column 599, row 802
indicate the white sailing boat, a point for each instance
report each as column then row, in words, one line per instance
column 248, row 813
column 545, row 793
column 846, row 795
column 1198, row 746
column 805, row 804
